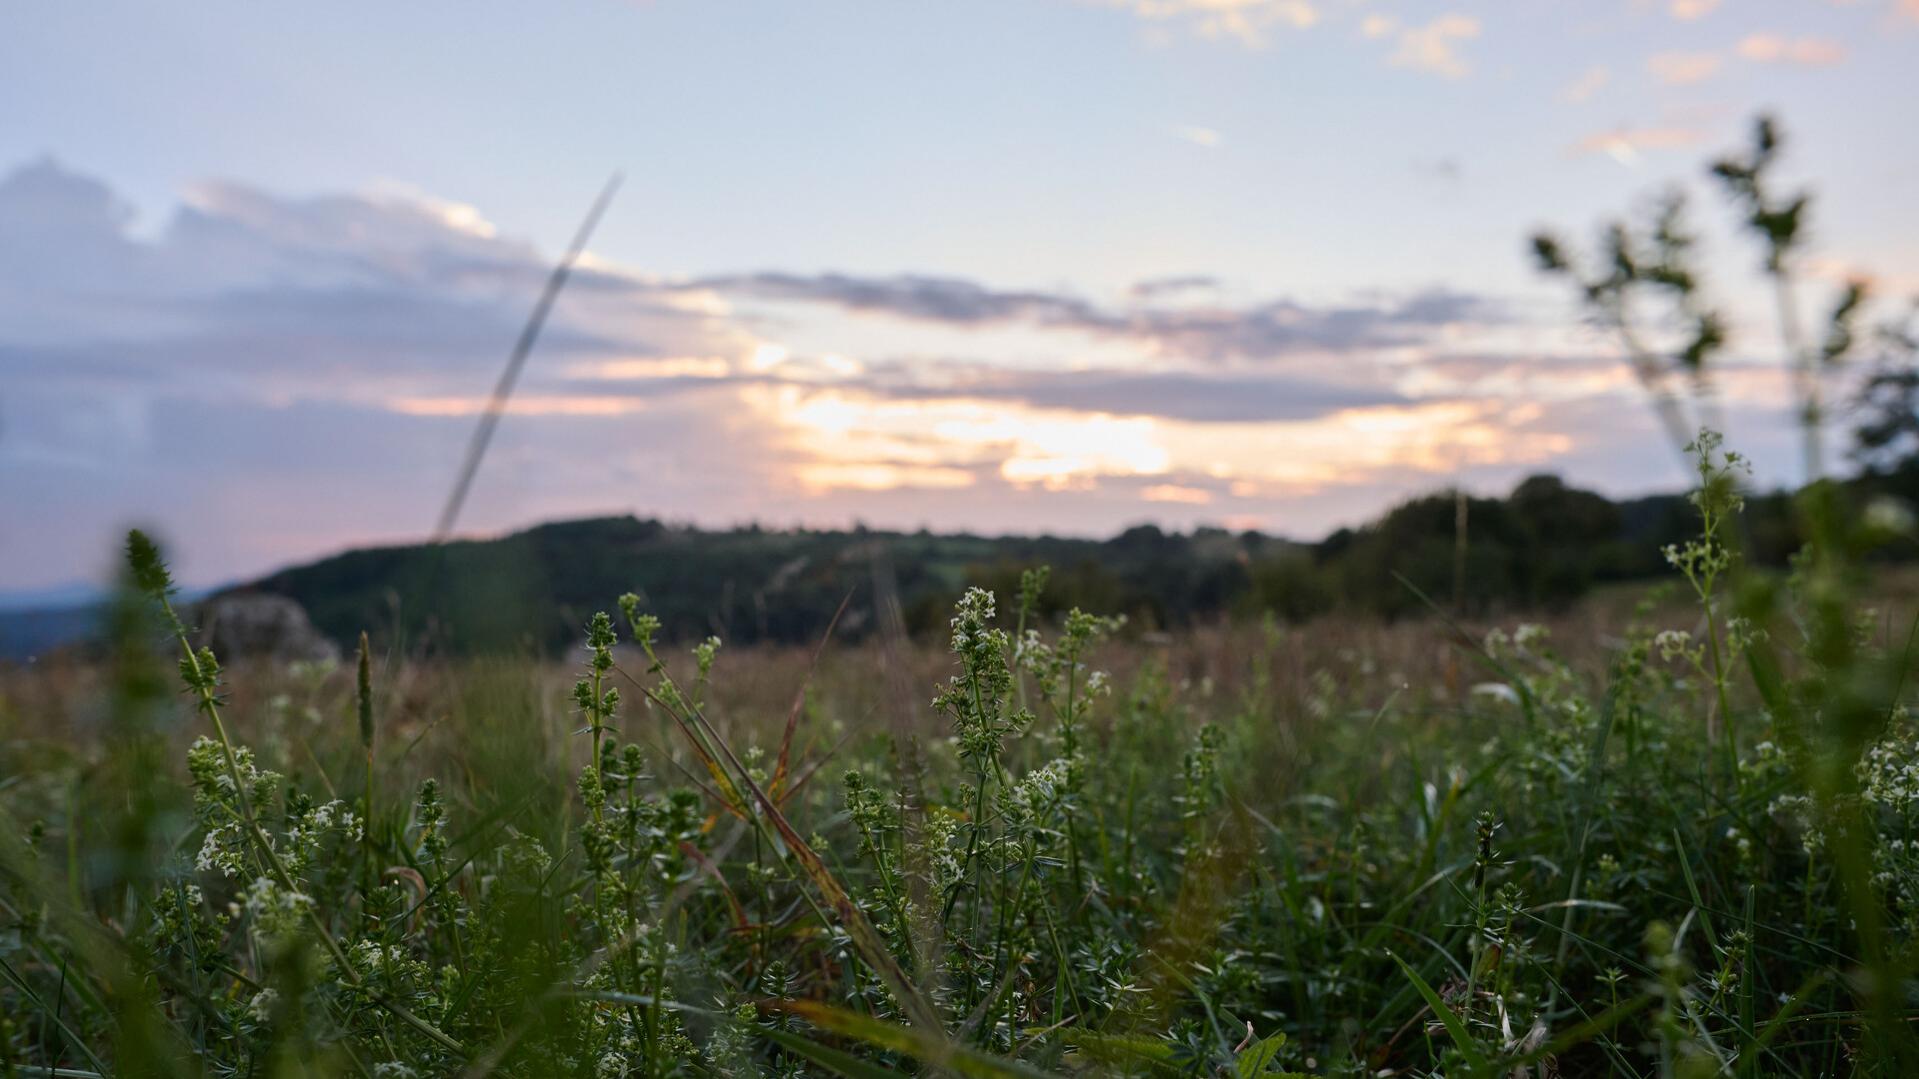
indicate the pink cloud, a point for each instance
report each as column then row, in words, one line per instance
column 1684, row 68
column 1769, row 48
column 1689, row 10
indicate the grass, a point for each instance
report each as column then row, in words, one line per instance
column 1666, row 835
column 1681, row 843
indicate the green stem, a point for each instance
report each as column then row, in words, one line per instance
column 209, row 704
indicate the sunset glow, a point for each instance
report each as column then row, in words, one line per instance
column 1258, row 262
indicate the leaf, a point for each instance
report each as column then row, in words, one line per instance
column 835, row 1060
column 866, row 940
column 1455, row 1026
column 929, row 1047
column 1255, row 1058
column 1119, row 1049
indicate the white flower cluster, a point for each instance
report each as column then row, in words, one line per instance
column 1741, row 634
column 1674, row 644
column 1801, row 814
column 1895, row 866
column 276, row 911
column 305, row 831
column 1740, row 841
column 387, row 964
column 940, row 848
column 1889, row 515
column 1525, row 638
column 1889, row 772
column 974, row 612
column 223, row 851
column 1037, row 791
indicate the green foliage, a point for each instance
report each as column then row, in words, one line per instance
column 1887, row 435
column 1692, row 849
column 1543, row 546
column 145, row 568
column 1610, row 873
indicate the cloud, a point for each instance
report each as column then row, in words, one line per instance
column 1432, row 48
column 266, row 378
column 915, row 296
column 1625, row 144
column 1194, row 397
column 1684, row 68
column 264, row 373
column 291, row 288
column 1769, row 48
column 1246, row 21
column 1160, row 287
column 1203, row 332
column 1280, row 328
column 1199, row 136
column 1590, row 82
column 1172, row 492
column 1690, row 10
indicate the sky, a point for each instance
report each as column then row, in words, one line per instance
column 1021, row 266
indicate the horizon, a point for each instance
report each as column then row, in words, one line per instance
column 1254, row 264
column 83, row 593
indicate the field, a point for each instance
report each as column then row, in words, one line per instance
column 1670, row 832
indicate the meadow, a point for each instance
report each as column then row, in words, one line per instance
column 1664, row 835
column 1672, row 830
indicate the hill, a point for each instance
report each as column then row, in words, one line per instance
column 1542, row 546
column 744, row 585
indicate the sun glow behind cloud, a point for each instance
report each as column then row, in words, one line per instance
column 786, row 397
column 881, row 441
column 1178, row 310
column 644, row 367
column 526, row 405
column 843, row 437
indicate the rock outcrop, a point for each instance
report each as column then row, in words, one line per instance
column 247, row 625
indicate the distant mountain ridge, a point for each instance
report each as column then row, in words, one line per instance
column 52, row 597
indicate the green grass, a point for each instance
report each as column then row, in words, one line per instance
column 1680, row 840
column 1683, row 845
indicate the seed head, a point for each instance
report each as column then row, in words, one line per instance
column 149, row 571
column 366, row 694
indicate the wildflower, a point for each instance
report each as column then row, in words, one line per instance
column 431, row 814
column 221, row 851
column 1741, row 842
column 1673, row 644
column 276, row 910
column 704, row 654
column 1889, row 515
column 1742, row 634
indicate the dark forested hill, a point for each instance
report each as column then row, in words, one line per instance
column 535, row 588
column 1542, row 545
